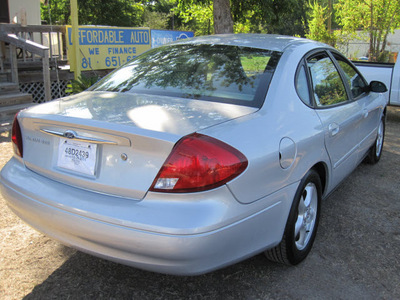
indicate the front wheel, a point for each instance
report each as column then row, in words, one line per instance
column 302, row 224
column 375, row 153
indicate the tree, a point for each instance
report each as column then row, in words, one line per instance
column 317, row 25
column 160, row 14
column 202, row 16
column 157, row 14
column 56, row 12
column 377, row 18
column 269, row 16
column 272, row 16
column 197, row 15
column 95, row 12
column 223, row 22
column 207, row 12
column 111, row 12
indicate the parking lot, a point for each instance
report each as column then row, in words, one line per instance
column 355, row 255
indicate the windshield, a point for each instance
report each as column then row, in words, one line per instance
column 219, row 73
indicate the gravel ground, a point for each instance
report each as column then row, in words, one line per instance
column 355, row 256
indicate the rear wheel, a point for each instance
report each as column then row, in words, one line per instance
column 302, row 224
column 375, row 152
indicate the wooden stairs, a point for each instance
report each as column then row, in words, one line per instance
column 11, row 102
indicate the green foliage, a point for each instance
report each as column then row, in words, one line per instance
column 331, row 91
column 197, row 15
column 271, row 16
column 317, row 28
column 254, row 64
column 159, row 14
column 155, row 19
column 245, row 26
column 56, row 12
column 378, row 18
column 268, row 16
column 95, row 12
column 111, row 13
column 81, row 84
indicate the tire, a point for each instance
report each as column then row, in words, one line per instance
column 302, row 223
column 375, row 152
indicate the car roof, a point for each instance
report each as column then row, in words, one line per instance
column 262, row 41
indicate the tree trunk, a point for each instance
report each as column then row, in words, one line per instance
column 371, row 35
column 223, row 22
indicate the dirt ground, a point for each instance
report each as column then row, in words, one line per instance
column 355, row 256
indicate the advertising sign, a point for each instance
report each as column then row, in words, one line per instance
column 162, row 37
column 107, row 47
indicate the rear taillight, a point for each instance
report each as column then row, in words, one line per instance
column 197, row 163
column 17, row 137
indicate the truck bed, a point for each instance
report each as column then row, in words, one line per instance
column 388, row 73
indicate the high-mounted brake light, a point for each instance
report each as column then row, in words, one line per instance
column 197, row 163
column 16, row 137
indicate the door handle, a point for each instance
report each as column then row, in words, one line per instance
column 333, row 129
column 365, row 113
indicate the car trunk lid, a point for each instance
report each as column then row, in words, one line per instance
column 113, row 143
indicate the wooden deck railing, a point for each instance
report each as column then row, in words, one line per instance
column 30, row 42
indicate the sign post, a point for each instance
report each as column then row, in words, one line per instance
column 75, row 38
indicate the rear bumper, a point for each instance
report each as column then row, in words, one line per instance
column 162, row 233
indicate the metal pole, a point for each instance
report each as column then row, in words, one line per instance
column 14, row 64
column 330, row 16
column 75, row 38
column 46, row 75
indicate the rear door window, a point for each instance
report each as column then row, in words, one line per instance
column 302, row 86
column 327, row 85
column 356, row 82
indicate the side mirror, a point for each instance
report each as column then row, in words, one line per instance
column 377, row 87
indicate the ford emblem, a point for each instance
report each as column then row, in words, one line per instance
column 69, row 134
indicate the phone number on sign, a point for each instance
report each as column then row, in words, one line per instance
column 110, row 61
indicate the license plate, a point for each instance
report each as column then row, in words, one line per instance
column 77, row 156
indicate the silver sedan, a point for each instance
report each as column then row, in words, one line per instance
column 197, row 155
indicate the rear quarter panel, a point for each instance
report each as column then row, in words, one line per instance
column 258, row 136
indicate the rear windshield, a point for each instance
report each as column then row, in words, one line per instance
column 218, row 73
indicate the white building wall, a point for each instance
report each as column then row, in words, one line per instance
column 25, row 12
column 357, row 48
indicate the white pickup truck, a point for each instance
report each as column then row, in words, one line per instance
column 388, row 73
